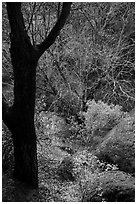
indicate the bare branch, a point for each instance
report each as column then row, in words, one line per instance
column 18, row 30
column 58, row 10
column 55, row 30
column 15, row 17
column 31, row 18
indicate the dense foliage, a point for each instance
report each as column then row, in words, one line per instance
column 85, row 87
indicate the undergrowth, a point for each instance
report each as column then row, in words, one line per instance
column 100, row 118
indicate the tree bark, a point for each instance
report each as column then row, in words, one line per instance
column 20, row 117
column 24, row 137
column 21, row 123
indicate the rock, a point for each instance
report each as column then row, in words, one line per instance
column 65, row 170
column 113, row 186
column 118, row 146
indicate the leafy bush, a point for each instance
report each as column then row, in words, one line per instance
column 119, row 146
column 77, row 131
column 101, row 117
column 109, row 186
column 68, row 104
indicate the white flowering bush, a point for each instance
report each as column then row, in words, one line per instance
column 101, row 117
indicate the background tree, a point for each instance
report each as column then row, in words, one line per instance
column 93, row 57
column 101, row 51
column 19, row 118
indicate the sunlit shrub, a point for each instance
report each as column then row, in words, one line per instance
column 102, row 117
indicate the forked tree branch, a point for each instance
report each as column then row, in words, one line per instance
column 50, row 39
column 15, row 18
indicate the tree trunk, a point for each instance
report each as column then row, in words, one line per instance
column 25, row 168
column 20, row 117
column 24, row 137
column 23, row 131
column 24, row 140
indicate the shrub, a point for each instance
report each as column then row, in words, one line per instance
column 68, row 104
column 100, row 117
column 109, row 186
column 77, row 131
column 118, row 147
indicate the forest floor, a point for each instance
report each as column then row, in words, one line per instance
column 50, row 156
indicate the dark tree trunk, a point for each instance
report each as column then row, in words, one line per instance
column 20, row 117
column 20, row 120
column 24, row 137
column 24, row 61
column 24, row 140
